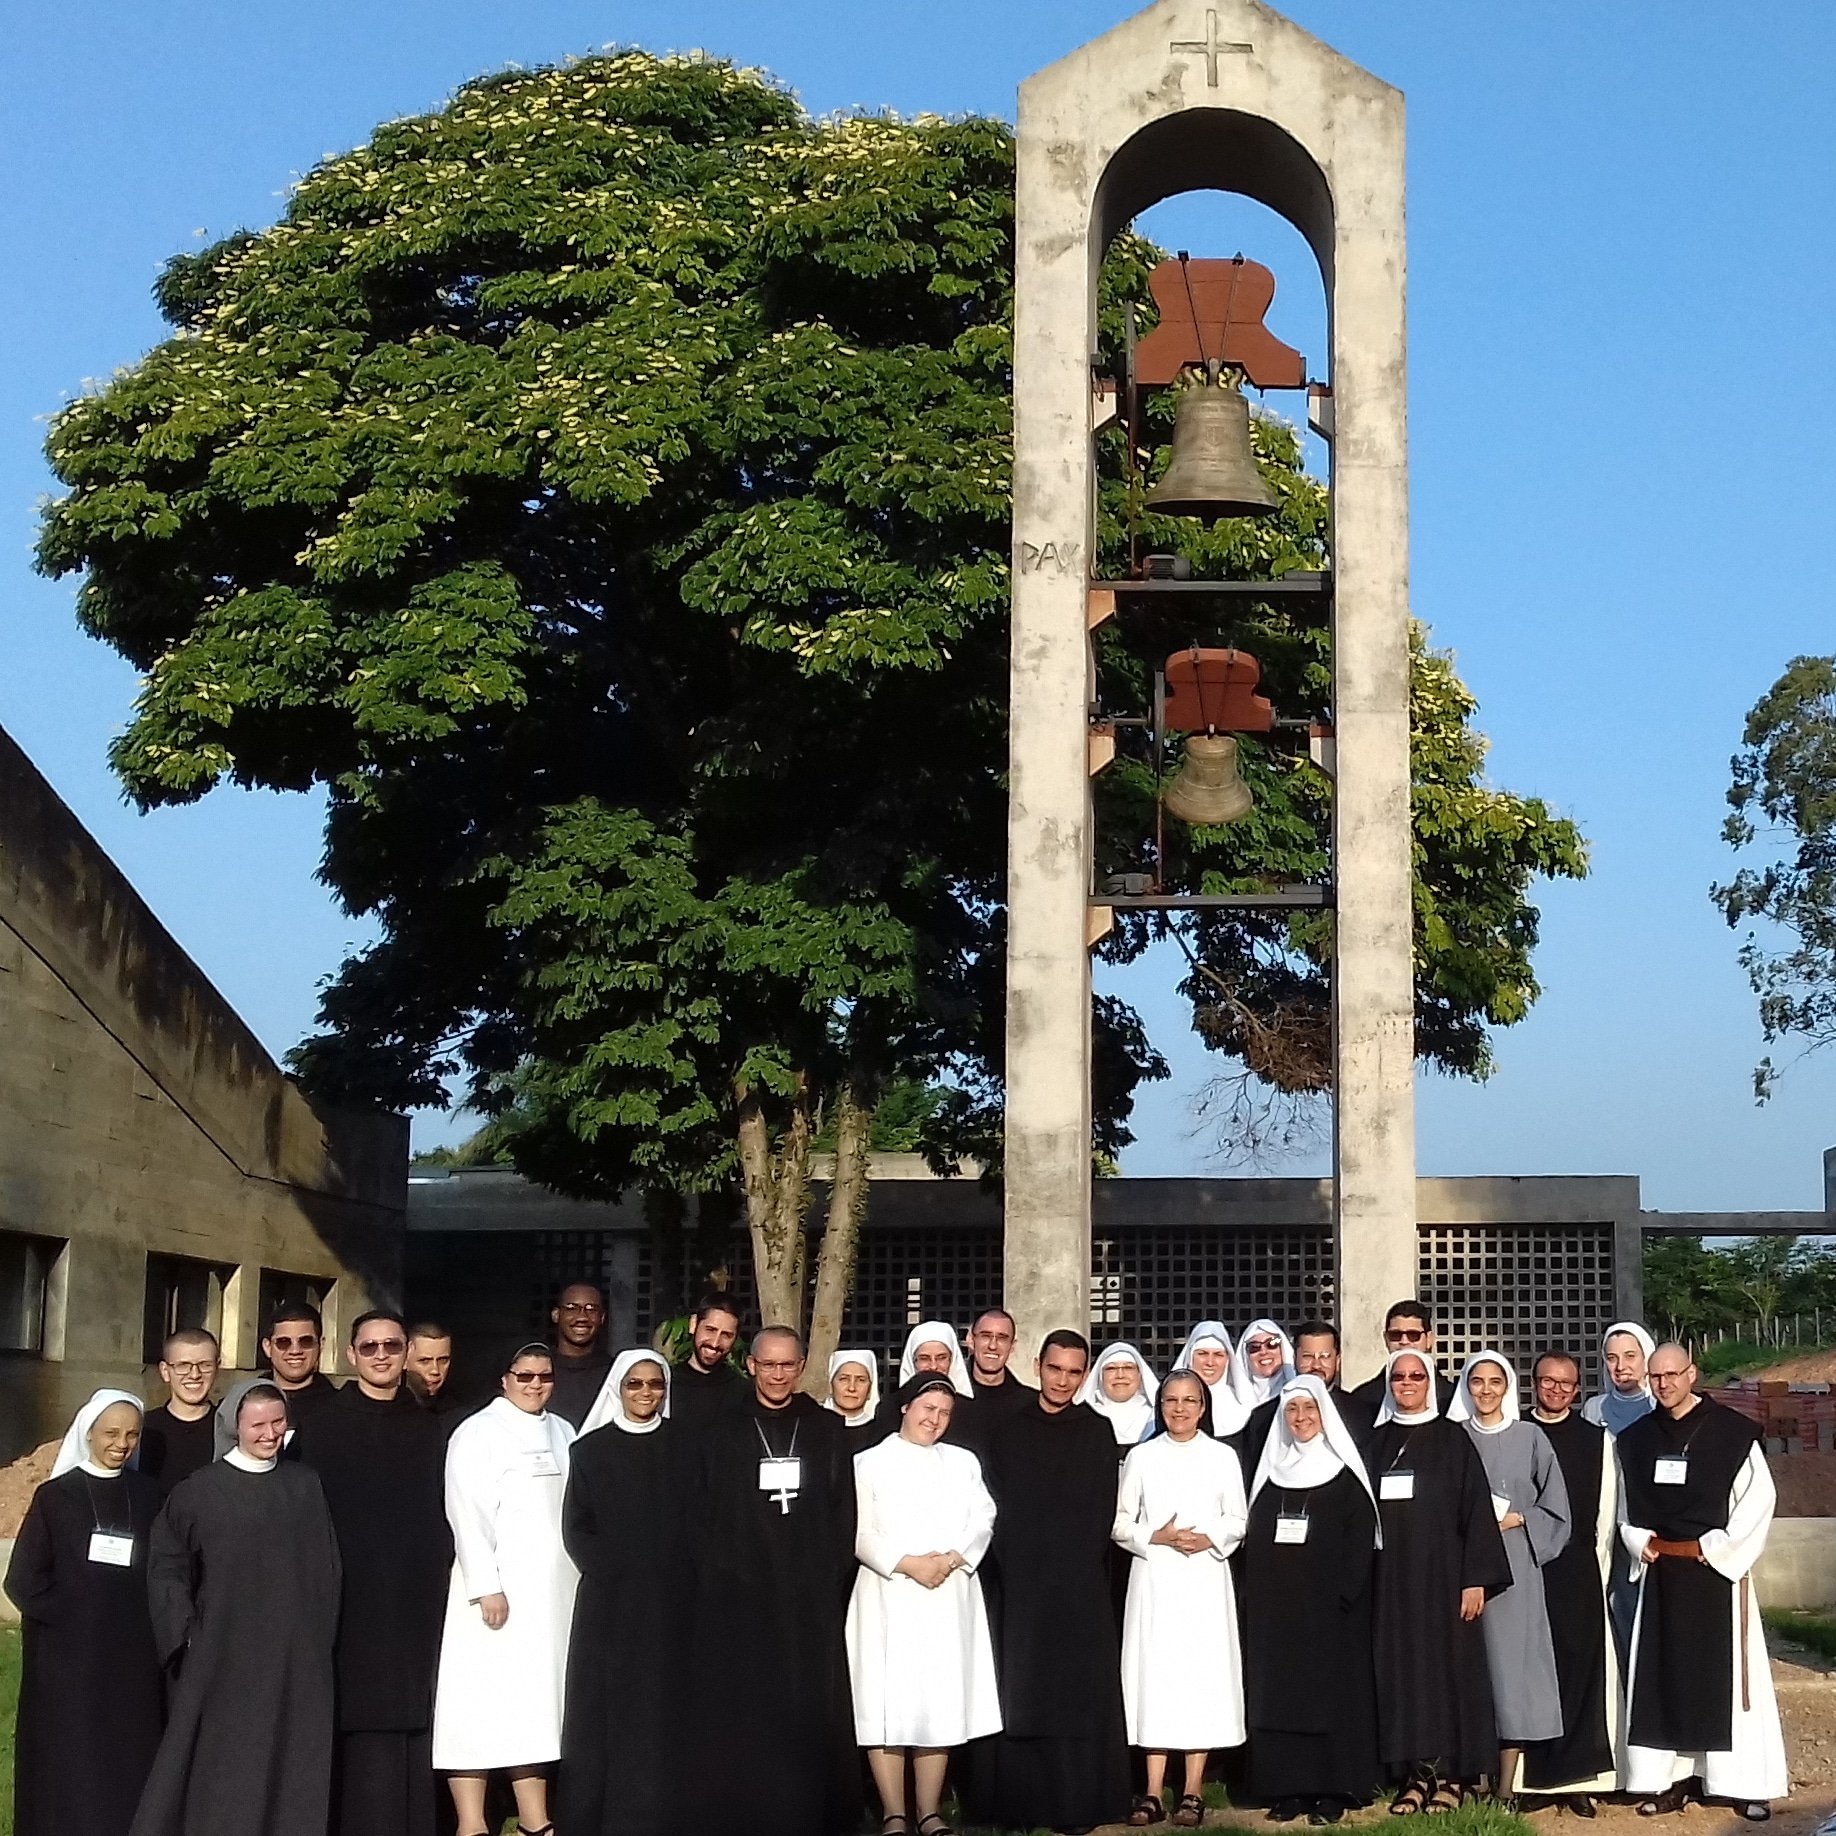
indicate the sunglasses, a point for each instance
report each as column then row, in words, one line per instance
column 1262, row 1345
column 643, row 1383
column 380, row 1348
column 530, row 1376
column 305, row 1344
column 1405, row 1335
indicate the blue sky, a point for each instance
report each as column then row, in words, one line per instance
column 1620, row 273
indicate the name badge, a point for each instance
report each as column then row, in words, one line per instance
column 1396, row 1485
column 1501, row 1506
column 116, row 1551
column 1290, row 1529
column 780, row 1475
column 1672, row 1471
column 544, row 1465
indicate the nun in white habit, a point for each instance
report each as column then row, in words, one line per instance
column 1127, row 1407
column 919, row 1656
column 854, row 1387
column 933, row 1345
column 1207, row 1351
column 503, row 1657
column 1261, row 1364
column 1180, row 1514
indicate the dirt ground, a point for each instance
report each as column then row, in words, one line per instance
column 1806, row 1482
column 19, row 1481
column 1806, row 1367
column 1807, row 1704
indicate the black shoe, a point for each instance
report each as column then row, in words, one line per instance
column 1666, row 1803
column 1579, row 1804
column 1325, row 1810
column 1287, row 1810
column 1756, row 1812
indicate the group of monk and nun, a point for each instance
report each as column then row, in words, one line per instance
column 1530, row 1502
column 1180, row 1514
column 89, row 1693
column 1309, row 1565
column 509, row 1602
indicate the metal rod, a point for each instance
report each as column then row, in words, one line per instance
column 1275, row 898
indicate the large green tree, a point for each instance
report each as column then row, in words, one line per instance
column 600, row 487
column 1783, row 799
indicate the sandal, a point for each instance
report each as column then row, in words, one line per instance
column 1191, row 1812
column 932, row 1824
column 1666, row 1803
column 1412, row 1799
column 898, row 1817
column 1448, row 1795
column 1147, row 1809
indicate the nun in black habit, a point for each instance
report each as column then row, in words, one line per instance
column 1308, row 1570
column 89, row 1691
column 1442, row 1558
column 243, row 1579
column 624, row 1526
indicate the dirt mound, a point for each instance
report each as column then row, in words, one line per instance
column 1806, row 1367
column 19, row 1481
column 1806, row 1482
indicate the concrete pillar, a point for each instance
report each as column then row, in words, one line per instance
column 1180, row 97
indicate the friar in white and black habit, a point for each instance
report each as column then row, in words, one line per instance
column 624, row 1521
column 381, row 1457
column 1696, row 1505
column 1579, row 1761
column 774, row 1550
column 89, row 1689
column 1442, row 1557
column 1061, row 1757
column 242, row 1576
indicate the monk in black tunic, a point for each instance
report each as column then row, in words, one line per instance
column 180, row 1435
column 381, row 1458
column 623, row 1520
column 1442, row 1557
column 89, row 1689
column 243, row 1580
column 1678, row 1474
column 774, row 1549
column 1061, row 1759
column 1574, row 1593
column 580, row 1357
column 705, row 1381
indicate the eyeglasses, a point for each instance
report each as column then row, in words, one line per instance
column 788, row 1364
column 1556, row 1383
column 643, row 1383
column 1405, row 1335
column 301, row 1344
column 530, row 1376
column 194, row 1370
column 580, row 1307
column 380, row 1348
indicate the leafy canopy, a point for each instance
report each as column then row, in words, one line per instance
column 601, row 486
column 1784, row 797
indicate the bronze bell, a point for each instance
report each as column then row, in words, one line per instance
column 1213, row 471
column 1206, row 790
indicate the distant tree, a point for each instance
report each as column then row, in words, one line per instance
column 1687, row 1291
column 1784, row 799
column 601, row 487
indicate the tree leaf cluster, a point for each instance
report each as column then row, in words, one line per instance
column 1783, row 799
column 601, row 486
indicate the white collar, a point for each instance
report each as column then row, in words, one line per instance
column 247, row 1463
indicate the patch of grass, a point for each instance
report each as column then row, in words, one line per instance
column 1813, row 1630
column 1740, row 1358
column 9, row 1708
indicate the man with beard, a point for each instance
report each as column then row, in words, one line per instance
column 1061, row 1758
column 774, row 1555
column 705, row 1380
column 380, row 1458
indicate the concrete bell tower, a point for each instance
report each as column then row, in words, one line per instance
column 1207, row 95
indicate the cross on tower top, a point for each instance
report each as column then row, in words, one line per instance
column 1211, row 45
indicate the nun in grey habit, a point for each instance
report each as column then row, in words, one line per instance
column 1530, row 1501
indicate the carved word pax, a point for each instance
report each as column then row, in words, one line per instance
column 1050, row 557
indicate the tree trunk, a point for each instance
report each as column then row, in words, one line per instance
column 841, row 1232
column 777, row 1181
